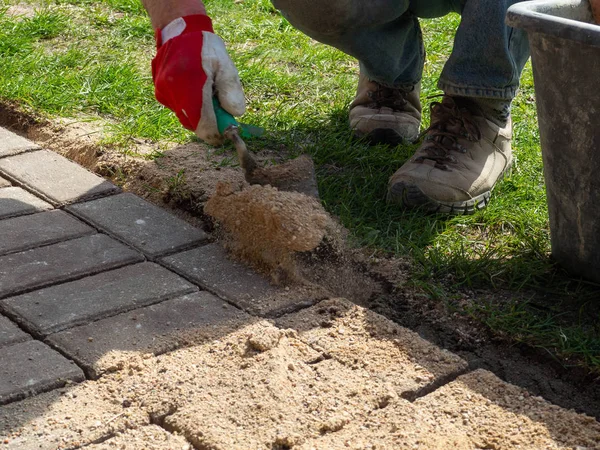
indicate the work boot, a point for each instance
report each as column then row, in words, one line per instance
column 385, row 115
column 460, row 160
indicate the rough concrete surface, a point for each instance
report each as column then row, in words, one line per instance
column 62, row 262
column 35, row 230
column 54, row 177
column 31, row 367
column 359, row 338
column 4, row 183
column 210, row 267
column 15, row 201
column 12, row 144
column 10, row 333
column 152, row 330
column 141, row 224
column 66, row 305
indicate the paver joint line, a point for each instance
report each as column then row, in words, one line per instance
column 54, row 177
column 95, row 297
column 437, row 384
column 13, row 144
column 32, row 367
column 139, row 224
column 62, row 262
column 15, row 201
column 159, row 328
column 210, row 268
column 37, row 230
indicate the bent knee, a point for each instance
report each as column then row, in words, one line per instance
column 331, row 17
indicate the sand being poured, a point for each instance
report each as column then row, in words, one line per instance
column 265, row 226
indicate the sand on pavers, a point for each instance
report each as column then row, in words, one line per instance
column 151, row 437
column 260, row 386
column 360, row 338
column 67, row 418
column 476, row 411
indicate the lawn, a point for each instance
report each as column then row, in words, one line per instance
column 89, row 59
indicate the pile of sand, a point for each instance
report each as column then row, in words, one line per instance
column 265, row 227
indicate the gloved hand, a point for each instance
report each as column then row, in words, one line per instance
column 192, row 65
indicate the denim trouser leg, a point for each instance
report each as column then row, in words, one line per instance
column 384, row 35
column 488, row 56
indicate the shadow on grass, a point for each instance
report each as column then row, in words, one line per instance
column 503, row 252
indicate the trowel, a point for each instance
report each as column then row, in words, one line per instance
column 296, row 175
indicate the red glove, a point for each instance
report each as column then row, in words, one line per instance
column 190, row 67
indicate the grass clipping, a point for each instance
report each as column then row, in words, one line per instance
column 265, row 227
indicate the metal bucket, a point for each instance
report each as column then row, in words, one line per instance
column 565, row 52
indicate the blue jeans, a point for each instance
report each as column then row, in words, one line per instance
column 385, row 36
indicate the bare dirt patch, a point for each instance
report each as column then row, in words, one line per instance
column 21, row 10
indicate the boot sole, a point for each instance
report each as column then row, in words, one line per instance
column 385, row 136
column 411, row 196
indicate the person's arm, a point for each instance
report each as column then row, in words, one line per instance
column 162, row 12
column 192, row 66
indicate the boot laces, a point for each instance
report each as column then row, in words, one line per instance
column 449, row 124
column 386, row 97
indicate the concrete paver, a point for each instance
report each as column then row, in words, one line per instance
column 15, row 201
column 4, row 183
column 155, row 329
column 26, row 232
column 32, row 367
column 66, row 418
column 210, row 268
column 141, row 224
column 10, row 333
column 64, row 261
column 57, row 308
column 12, row 144
column 54, row 178
column 359, row 338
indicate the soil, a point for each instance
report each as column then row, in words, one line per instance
column 187, row 176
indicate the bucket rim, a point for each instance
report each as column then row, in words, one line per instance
column 533, row 17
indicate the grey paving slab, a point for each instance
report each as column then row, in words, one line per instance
column 57, row 308
column 32, row 367
column 35, row 230
column 65, row 261
column 4, row 183
column 210, row 268
column 54, row 178
column 10, row 333
column 11, row 143
column 15, row 201
column 141, row 224
column 154, row 329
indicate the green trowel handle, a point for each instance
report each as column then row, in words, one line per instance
column 224, row 119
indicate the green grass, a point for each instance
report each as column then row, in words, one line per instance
column 90, row 58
